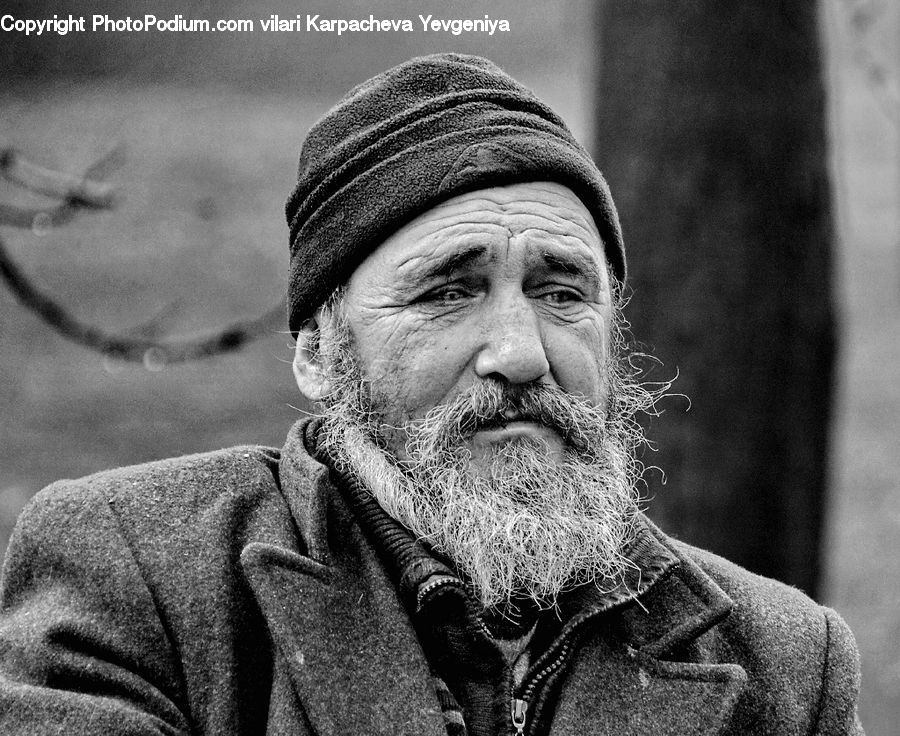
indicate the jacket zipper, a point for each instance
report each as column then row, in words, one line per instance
column 519, row 715
column 428, row 588
column 440, row 582
column 519, row 704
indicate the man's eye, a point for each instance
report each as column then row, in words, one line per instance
column 447, row 295
column 561, row 296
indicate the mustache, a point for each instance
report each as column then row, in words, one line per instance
column 491, row 404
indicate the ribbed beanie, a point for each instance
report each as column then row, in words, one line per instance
column 410, row 138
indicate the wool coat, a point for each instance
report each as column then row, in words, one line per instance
column 234, row 593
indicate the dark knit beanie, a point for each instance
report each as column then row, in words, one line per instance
column 406, row 140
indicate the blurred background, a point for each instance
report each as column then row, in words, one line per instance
column 754, row 154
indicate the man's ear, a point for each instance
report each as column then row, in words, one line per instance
column 309, row 370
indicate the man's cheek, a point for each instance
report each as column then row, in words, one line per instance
column 411, row 392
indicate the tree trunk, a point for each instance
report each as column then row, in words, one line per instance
column 711, row 131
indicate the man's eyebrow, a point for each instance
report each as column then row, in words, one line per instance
column 572, row 264
column 446, row 265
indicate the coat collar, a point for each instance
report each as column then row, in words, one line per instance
column 646, row 689
column 334, row 616
column 352, row 654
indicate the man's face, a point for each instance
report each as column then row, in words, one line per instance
column 471, row 386
column 503, row 285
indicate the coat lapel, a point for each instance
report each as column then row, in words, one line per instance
column 350, row 652
column 335, row 618
column 619, row 690
column 622, row 682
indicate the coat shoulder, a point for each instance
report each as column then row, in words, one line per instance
column 202, row 507
column 129, row 582
column 169, row 487
column 747, row 589
column 765, row 612
column 800, row 656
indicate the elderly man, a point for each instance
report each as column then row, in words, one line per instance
column 453, row 545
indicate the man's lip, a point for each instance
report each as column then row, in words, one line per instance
column 508, row 419
column 515, row 428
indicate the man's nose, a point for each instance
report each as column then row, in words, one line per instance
column 513, row 348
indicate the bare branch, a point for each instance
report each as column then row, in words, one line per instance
column 85, row 191
column 38, row 218
column 125, row 347
column 77, row 194
column 80, row 190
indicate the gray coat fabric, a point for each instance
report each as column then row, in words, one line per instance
column 234, row 593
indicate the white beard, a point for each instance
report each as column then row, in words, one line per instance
column 533, row 526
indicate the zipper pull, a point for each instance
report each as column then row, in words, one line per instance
column 519, row 708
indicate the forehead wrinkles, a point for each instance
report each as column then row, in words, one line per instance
column 454, row 236
column 495, row 217
column 560, row 218
column 516, row 209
